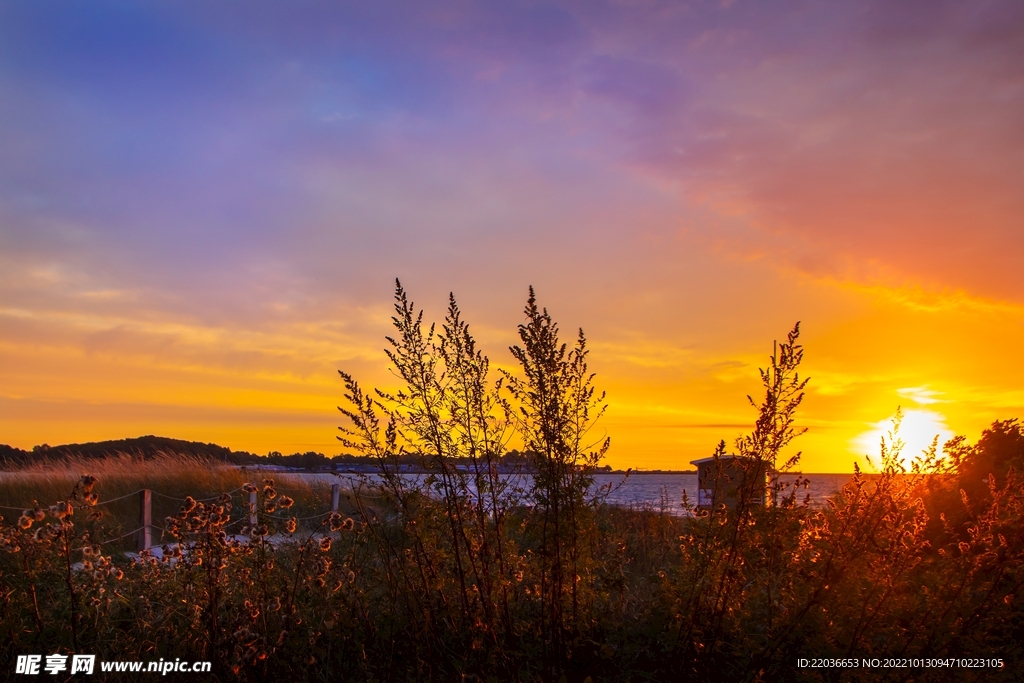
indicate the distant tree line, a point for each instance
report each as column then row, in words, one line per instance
column 149, row 446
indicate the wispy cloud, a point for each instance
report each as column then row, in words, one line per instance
column 921, row 395
column 213, row 187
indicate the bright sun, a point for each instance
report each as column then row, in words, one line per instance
column 917, row 430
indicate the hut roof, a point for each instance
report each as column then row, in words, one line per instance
column 727, row 456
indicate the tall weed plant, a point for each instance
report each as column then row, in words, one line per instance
column 466, row 571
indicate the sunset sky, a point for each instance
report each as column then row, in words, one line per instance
column 204, row 207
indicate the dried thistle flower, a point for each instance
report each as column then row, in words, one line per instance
column 60, row 510
column 325, row 544
column 285, row 502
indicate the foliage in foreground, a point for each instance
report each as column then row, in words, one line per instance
column 467, row 573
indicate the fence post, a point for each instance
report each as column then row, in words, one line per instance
column 335, row 496
column 145, row 540
column 252, row 507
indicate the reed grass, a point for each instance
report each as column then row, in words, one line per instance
column 171, row 476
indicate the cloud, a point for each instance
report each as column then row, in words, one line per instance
column 851, row 133
column 217, row 185
column 921, row 395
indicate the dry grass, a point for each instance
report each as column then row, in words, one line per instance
column 171, row 476
column 457, row 577
column 711, row 597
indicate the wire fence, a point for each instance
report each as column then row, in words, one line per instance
column 143, row 533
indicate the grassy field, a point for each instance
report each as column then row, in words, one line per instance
column 460, row 576
column 723, row 595
column 171, row 477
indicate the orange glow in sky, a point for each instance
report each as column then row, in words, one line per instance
column 202, row 213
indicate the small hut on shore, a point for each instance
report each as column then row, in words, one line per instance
column 730, row 479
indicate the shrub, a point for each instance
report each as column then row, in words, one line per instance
column 471, row 570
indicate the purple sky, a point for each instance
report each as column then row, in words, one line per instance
column 685, row 176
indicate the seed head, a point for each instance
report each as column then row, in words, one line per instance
column 61, row 510
column 325, row 544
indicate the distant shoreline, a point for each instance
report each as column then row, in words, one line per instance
column 632, row 473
